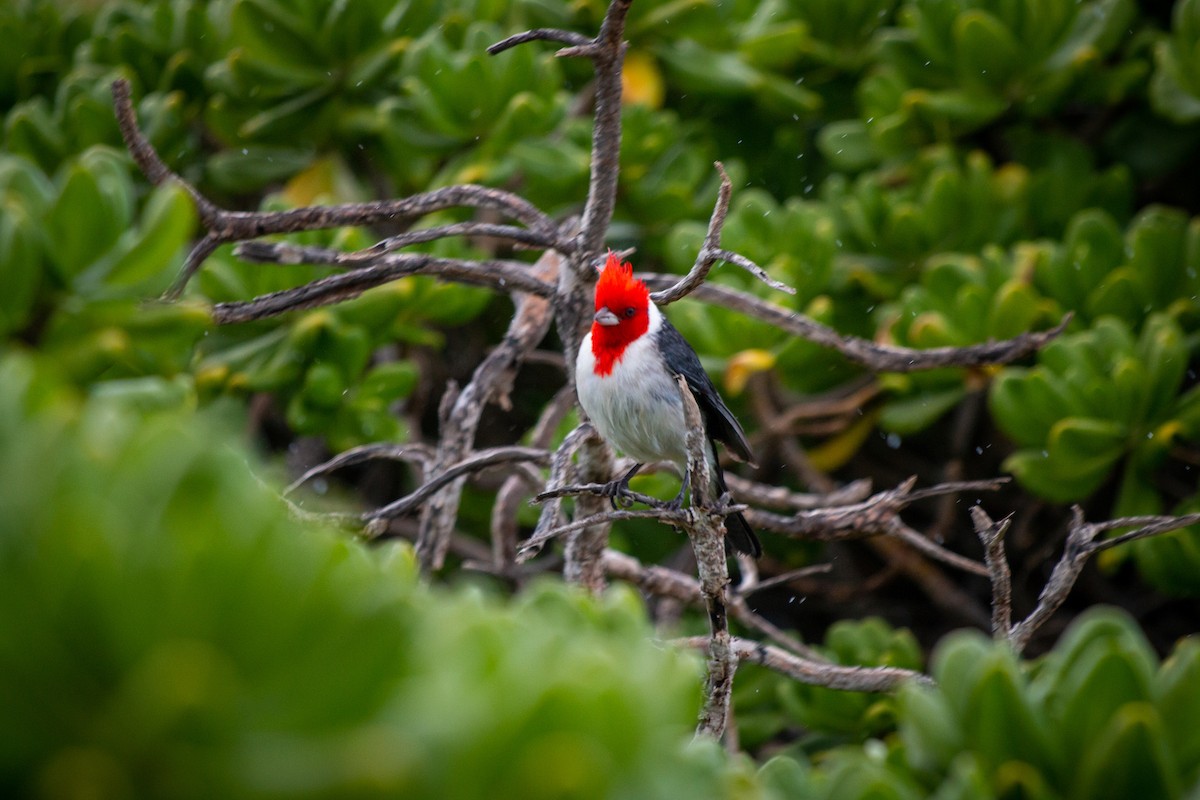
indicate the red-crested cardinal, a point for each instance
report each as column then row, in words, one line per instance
column 625, row 379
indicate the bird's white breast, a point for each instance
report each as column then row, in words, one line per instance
column 636, row 407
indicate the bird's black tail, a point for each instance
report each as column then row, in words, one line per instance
column 737, row 531
column 739, row 534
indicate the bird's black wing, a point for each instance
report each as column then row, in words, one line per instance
column 722, row 425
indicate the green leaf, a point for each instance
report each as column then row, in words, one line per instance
column 1101, row 682
column 94, row 206
column 21, row 265
column 988, row 55
column 847, row 145
column 1178, row 702
column 1028, row 403
column 251, row 168
column 391, row 381
column 929, row 729
column 165, row 226
column 906, row 415
column 1130, row 758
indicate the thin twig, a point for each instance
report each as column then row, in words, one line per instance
column 551, row 518
column 781, row 497
column 415, row 452
column 480, row 460
column 872, row 517
column 262, row 252
column 533, row 544
column 540, row 34
column 711, row 252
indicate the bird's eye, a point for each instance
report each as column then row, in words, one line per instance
column 629, row 312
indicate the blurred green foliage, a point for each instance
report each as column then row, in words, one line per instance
column 172, row 631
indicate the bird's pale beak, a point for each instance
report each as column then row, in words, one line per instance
column 606, row 317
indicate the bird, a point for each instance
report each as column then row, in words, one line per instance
column 625, row 380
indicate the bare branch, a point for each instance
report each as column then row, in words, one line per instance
column 508, row 499
column 540, row 34
column 706, row 529
column 596, row 490
column 608, row 55
column 784, row 578
column 415, row 452
column 258, row 251
column 783, row 498
column 492, row 380
column 830, row 676
column 711, row 252
column 874, row 356
column 531, row 546
column 234, row 226
column 878, row 515
column 991, row 534
column 1080, row 546
column 481, row 460
column 550, row 521
column 674, row 585
column 512, row 276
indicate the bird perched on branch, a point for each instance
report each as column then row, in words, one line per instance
column 625, row 377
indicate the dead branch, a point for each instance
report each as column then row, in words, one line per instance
column 491, row 380
column 514, row 490
column 991, row 534
column 706, row 530
column 814, row 673
column 224, row 226
column 416, row 452
column 781, row 497
column 874, row 356
column 878, row 515
column 711, row 252
column 1081, row 545
column 261, row 252
column 513, row 276
column 454, row 472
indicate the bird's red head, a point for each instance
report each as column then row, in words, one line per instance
column 622, row 313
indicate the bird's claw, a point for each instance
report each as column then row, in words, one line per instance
column 617, row 493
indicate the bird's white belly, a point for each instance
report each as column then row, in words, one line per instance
column 636, row 407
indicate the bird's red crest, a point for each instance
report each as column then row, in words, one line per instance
column 629, row 300
column 617, row 285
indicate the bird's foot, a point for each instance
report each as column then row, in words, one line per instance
column 617, row 491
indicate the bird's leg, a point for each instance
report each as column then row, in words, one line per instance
column 620, row 487
column 677, row 503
